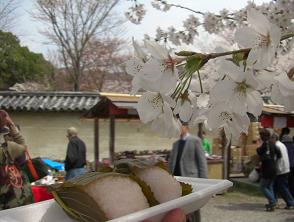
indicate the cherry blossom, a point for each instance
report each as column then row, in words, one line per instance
column 220, row 117
column 262, row 36
column 238, row 89
column 283, row 91
column 223, row 91
column 157, row 74
column 185, row 105
column 155, row 109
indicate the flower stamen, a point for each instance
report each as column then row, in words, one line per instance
column 169, row 63
column 241, row 88
column 225, row 116
column 264, row 41
column 156, row 102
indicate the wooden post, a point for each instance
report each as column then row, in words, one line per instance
column 200, row 130
column 226, row 151
column 96, row 143
column 111, row 138
column 229, row 158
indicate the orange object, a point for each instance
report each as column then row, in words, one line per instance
column 31, row 167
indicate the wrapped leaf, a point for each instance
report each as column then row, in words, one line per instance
column 99, row 196
column 146, row 190
column 186, row 188
column 127, row 165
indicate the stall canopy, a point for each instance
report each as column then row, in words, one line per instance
column 275, row 116
column 112, row 107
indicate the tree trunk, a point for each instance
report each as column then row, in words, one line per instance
column 77, row 77
column 76, row 86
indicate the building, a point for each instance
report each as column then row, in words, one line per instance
column 44, row 117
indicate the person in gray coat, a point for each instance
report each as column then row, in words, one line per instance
column 187, row 159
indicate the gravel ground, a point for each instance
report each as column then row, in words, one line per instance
column 239, row 207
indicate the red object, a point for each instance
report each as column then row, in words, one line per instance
column 114, row 110
column 31, row 166
column 40, row 193
column 290, row 122
column 267, row 121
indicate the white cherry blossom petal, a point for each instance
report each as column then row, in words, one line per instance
column 218, row 116
column 254, row 103
column 246, row 37
column 258, row 21
column 152, row 70
column 139, row 53
column 275, row 34
column 264, row 79
column 251, row 80
column 203, row 100
column 285, row 82
column 261, row 57
column 133, row 66
column 168, row 82
column 232, row 71
column 166, row 124
column 222, row 91
column 186, row 111
column 238, row 104
column 157, row 51
column 150, row 106
column 287, row 101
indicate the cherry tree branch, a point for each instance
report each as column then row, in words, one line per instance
column 197, row 12
column 209, row 56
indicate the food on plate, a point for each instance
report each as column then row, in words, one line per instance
column 100, row 196
column 161, row 185
column 132, row 185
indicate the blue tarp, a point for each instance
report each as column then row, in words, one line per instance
column 53, row 164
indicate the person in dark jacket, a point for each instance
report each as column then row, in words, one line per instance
column 75, row 160
column 287, row 140
column 268, row 153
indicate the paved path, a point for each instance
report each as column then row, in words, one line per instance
column 239, row 207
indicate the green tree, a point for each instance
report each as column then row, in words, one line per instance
column 18, row 64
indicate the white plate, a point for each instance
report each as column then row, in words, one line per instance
column 49, row 211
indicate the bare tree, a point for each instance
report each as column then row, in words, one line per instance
column 72, row 24
column 7, row 9
column 104, row 57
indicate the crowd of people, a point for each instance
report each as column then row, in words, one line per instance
column 276, row 154
column 15, row 186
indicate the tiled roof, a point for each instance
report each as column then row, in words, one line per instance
column 48, row 101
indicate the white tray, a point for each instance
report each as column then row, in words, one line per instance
column 49, row 211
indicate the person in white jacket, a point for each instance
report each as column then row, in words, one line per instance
column 283, row 169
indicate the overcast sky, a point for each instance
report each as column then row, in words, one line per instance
column 27, row 28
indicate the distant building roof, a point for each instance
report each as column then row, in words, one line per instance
column 86, row 101
column 272, row 108
column 48, row 101
column 122, row 100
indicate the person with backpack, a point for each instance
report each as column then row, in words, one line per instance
column 268, row 154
